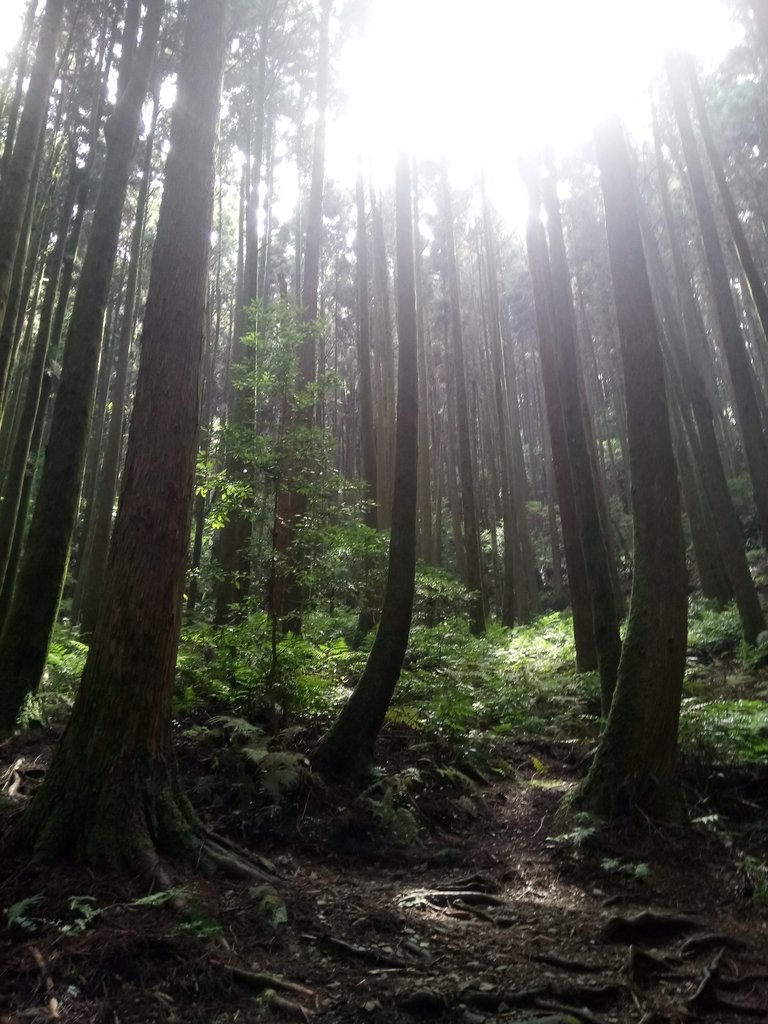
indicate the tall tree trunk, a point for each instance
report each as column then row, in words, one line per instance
column 502, row 411
column 233, row 541
column 295, row 501
column 426, row 538
column 635, row 765
column 699, row 422
column 94, row 563
column 593, row 542
column 21, row 55
column 369, row 597
column 743, row 249
column 384, row 367
column 111, row 797
column 471, row 530
column 27, row 627
column 581, row 605
column 748, row 411
column 348, row 749
column 19, row 453
column 18, row 181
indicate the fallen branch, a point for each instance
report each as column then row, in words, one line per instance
column 245, row 855
column 53, row 1003
column 445, row 897
column 472, row 883
column 552, row 960
column 259, row 980
column 579, row 1012
column 372, row 956
column 288, row 1006
column 551, row 992
column 214, row 853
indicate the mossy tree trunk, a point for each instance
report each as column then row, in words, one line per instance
column 111, row 797
column 347, row 751
column 635, row 765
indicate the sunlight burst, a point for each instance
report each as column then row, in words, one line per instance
column 10, row 26
column 479, row 84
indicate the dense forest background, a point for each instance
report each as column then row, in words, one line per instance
column 341, row 468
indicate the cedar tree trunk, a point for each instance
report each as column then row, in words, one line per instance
column 635, row 764
column 27, row 627
column 347, row 751
column 111, row 796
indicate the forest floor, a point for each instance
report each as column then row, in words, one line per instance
column 451, row 890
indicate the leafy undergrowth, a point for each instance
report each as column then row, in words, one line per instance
column 449, row 889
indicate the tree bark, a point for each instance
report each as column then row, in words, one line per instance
column 18, row 181
column 581, row 605
column 748, row 411
column 457, row 363
column 19, row 452
column 295, row 501
column 27, row 627
column 348, row 749
column 93, row 564
column 369, row 597
column 635, row 765
column 233, row 542
column 111, row 797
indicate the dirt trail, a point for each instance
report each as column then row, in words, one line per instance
column 489, row 913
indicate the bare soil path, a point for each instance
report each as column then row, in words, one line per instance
column 461, row 898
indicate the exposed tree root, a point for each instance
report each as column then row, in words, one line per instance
column 697, row 943
column 642, row 965
column 136, row 823
column 706, row 997
column 649, row 925
column 643, row 798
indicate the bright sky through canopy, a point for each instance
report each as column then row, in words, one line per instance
column 10, row 25
column 479, row 81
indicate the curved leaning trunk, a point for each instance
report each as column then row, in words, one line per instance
column 347, row 751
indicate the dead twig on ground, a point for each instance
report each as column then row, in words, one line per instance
column 47, row 982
